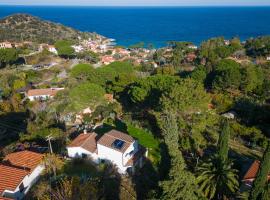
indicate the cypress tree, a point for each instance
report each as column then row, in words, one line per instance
column 223, row 142
column 181, row 184
column 261, row 178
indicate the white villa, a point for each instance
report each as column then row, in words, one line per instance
column 19, row 171
column 114, row 146
column 5, row 45
column 42, row 94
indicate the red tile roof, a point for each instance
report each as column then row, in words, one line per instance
column 24, row 159
column 39, row 92
column 108, row 139
column 86, row 141
column 11, row 177
column 252, row 171
column 4, row 198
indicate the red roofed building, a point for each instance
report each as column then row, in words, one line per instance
column 252, row 173
column 106, row 60
column 114, row 146
column 18, row 172
column 42, row 94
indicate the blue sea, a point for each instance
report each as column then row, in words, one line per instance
column 156, row 25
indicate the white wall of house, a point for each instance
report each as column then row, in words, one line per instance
column 53, row 50
column 28, row 182
column 116, row 157
column 107, row 154
column 39, row 97
column 78, row 152
column 132, row 149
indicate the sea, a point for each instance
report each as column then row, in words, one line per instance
column 156, row 25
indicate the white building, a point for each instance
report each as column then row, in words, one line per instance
column 5, row 45
column 192, row 46
column 19, row 171
column 42, row 94
column 78, row 48
column 115, row 147
column 52, row 49
column 268, row 58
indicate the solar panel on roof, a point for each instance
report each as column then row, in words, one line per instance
column 118, row 144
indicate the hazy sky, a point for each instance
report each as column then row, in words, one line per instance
column 137, row 2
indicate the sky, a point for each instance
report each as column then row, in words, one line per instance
column 139, row 2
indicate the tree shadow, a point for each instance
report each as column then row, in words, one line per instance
column 11, row 125
column 145, row 181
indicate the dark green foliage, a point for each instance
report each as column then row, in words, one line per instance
column 223, row 142
column 199, row 74
column 262, row 177
column 116, row 75
column 227, row 75
column 82, row 71
column 217, row 179
column 258, row 47
column 180, row 185
column 147, row 91
column 8, row 56
column 186, row 96
column 252, row 78
column 64, row 48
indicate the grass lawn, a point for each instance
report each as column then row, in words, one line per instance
column 147, row 140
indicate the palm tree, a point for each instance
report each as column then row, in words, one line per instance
column 216, row 178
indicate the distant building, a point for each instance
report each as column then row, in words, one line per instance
column 268, row 58
column 227, row 42
column 252, row 173
column 106, row 60
column 50, row 48
column 6, row 45
column 78, row 48
column 114, row 146
column 192, row 46
column 42, row 94
column 19, row 171
column 229, row 115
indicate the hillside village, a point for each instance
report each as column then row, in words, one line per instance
column 83, row 118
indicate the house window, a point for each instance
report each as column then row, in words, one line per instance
column 21, row 187
column 84, row 155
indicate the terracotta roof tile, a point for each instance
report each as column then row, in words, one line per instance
column 47, row 91
column 108, row 139
column 86, row 141
column 24, row 159
column 253, row 170
column 11, row 177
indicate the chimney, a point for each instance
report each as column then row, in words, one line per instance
column 85, row 131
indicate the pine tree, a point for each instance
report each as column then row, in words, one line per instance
column 261, row 178
column 223, row 142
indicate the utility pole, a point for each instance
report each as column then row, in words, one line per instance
column 49, row 138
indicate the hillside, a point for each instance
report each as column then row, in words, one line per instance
column 24, row 27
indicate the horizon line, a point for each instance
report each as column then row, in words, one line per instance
column 153, row 6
